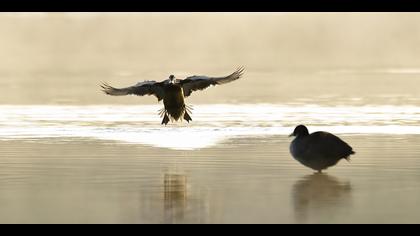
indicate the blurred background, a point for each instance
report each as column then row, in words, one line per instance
column 60, row 58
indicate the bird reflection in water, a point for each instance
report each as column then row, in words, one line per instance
column 320, row 194
column 175, row 197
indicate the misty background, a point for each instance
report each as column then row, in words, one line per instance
column 60, row 58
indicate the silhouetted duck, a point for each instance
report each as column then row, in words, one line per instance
column 318, row 150
column 173, row 91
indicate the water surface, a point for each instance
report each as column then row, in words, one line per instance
column 80, row 181
column 117, row 164
column 70, row 154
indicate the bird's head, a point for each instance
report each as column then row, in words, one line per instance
column 300, row 131
column 172, row 78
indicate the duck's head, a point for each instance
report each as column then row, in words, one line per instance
column 300, row 131
column 172, row 79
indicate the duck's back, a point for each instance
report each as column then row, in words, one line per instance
column 320, row 150
column 328, row 145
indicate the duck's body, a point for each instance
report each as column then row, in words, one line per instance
column 319, row 150
column 174, row 104
column 173, row 92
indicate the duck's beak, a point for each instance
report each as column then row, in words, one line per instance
column 291, row 135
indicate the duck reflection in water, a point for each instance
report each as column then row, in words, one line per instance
column 320, row 194
column 175, row 197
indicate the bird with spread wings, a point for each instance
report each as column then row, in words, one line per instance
column 173, row 92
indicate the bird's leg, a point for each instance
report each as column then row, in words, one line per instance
column 165, row 120
column 187, row 117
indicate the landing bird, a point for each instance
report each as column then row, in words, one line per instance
column 318, row 150
column 173, row 92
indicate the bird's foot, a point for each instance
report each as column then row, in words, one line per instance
column 187, row 117
column 165, row 120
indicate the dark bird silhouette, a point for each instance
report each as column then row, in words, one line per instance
column 173, row 92
column 318, row 150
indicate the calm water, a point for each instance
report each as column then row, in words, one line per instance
column 116, row 164
column 70, row 154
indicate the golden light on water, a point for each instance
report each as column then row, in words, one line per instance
column 78, row 156
column 213, row 124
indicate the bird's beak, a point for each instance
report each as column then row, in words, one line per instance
column 291, row 135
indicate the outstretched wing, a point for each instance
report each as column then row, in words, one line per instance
column 194, row 83
column 140, row 89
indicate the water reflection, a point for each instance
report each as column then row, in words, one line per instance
column 319, row 194
column 175, row 197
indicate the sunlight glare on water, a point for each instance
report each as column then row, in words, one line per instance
column 212, row 124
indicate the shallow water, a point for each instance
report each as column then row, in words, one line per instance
column 91, row 181
column 70, row 154
column 117, row 164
